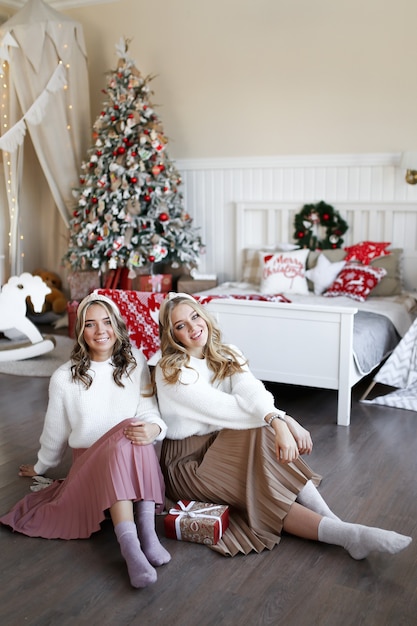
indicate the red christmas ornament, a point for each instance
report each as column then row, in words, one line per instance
column 133, row 154
column 151, row 258
column 99, row 153
column 133, row 180
column 163, row 217
column 94, row 200
column 147, row 197
column 300, row 234
column 325, row 217
column 125, row 140
column 116, row 107
column 82, row 181
column 121, row 150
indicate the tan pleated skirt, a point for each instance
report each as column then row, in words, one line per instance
column 238, row 468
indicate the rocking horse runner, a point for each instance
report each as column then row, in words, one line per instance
column 13, row 317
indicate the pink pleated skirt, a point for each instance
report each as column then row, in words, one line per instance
column 110, row 470
column 238, row 468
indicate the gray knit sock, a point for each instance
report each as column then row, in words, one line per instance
column 311, row 499
column 360, row 540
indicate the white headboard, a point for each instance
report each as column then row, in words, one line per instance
column 269, row 223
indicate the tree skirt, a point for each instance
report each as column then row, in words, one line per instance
column 43, row 365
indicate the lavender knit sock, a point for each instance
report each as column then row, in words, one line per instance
column 151, row 546
column 141, row 572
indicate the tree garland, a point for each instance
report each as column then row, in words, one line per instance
column 319, row 227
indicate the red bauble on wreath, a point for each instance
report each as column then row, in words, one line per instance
column 319, row 227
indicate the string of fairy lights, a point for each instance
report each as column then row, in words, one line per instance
column 15, row 244
column 7, row 165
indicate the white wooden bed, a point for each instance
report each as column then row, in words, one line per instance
column 309, row 344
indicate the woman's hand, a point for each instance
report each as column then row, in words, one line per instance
column 285, row 445
column 300, row 434
column 142, row 433
column 27, row 470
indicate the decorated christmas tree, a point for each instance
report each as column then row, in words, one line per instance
column 129, row 209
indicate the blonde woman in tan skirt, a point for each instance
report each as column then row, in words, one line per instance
column 227, row 443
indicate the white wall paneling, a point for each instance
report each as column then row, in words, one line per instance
column 212, row 187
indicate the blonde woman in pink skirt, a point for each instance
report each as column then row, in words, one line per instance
column 103, row 389
column 228, row 443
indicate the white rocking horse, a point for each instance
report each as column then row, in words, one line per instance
column 13, row 317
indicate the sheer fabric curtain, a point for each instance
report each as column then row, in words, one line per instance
column 45, row 96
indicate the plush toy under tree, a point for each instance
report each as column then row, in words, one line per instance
column 129, row 211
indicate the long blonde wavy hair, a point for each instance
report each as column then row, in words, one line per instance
column 122, row 359
column 221, row 359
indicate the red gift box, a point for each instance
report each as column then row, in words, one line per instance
column 159, row 283
column 198, row 522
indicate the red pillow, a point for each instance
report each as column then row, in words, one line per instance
column 366, row 251
column 356, row 281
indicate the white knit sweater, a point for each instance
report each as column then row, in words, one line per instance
column 196, row 406
column 78, row 417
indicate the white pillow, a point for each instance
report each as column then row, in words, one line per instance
column 284, row 272
column 324, row 273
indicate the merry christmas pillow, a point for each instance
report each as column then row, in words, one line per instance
column 284, row 272
column 251, row 267
column 324, row 273
column 356, row 281
column 366, row 251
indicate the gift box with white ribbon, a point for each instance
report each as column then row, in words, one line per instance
column 198, row 522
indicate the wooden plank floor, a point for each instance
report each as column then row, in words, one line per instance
column 369, row 474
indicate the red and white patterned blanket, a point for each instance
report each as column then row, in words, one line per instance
column 140, row 310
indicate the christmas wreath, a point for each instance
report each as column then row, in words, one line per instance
column 319, row 226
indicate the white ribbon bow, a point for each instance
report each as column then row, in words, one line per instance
column 185, row 511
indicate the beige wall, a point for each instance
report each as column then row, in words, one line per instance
column 268, row 77
column 259, row 78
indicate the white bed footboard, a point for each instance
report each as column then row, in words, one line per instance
column 304, row 344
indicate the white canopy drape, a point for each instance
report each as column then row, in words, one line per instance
column 44, row 94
